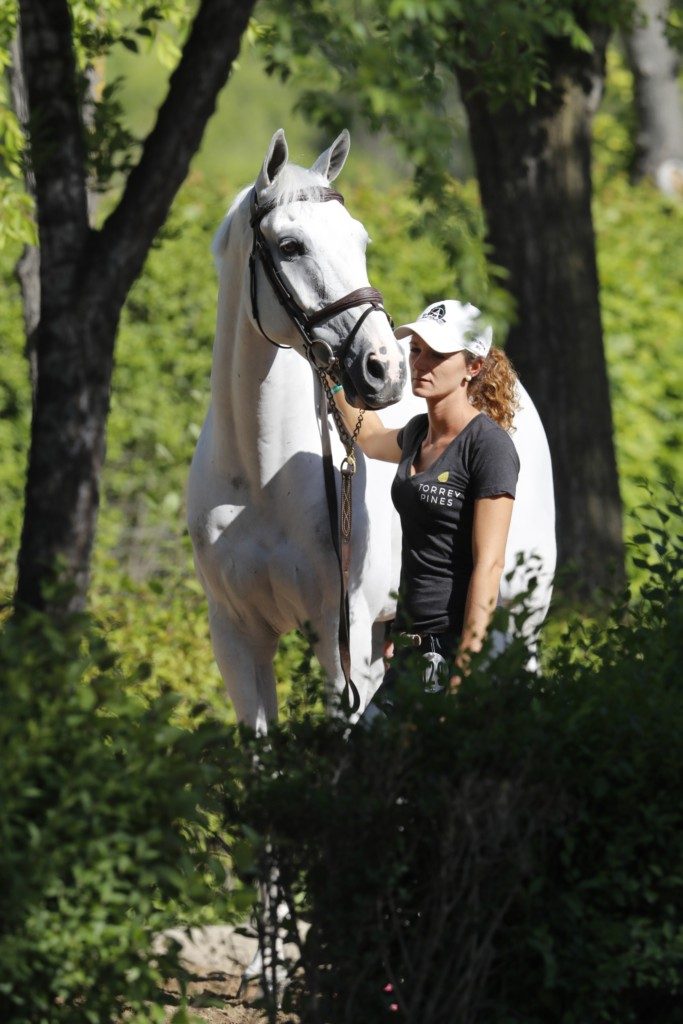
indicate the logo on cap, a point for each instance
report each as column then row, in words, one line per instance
column 435, row 313
column 476, row 343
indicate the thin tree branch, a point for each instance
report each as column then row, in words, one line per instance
column 206, row 62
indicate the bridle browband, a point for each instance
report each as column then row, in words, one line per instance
column 318, row 352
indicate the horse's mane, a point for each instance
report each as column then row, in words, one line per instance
column 220, row 239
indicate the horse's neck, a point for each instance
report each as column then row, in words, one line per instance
column 263, row 400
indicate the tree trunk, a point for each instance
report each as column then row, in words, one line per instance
column 27, row 269
column 655, row 65
column 86, row 275
column 75, row 359
column 533, row 166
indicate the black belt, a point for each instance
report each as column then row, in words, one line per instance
column 414, row 639
column 421, row 639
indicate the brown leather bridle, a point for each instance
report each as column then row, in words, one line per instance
column 318, row 352
column 324, row 361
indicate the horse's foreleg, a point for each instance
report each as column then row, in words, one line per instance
column 246, row 664
column 245, row 661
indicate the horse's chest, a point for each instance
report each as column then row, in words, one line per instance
column 272, row 556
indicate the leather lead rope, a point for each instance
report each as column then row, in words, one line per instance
column 341, row 521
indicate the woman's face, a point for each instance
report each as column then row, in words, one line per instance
column 433, row 375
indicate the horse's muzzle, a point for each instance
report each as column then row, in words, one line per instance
column 370, row 382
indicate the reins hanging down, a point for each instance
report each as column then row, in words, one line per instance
column 324, row 361
column 341, row 522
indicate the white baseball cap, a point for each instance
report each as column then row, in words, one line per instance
column 451, row 326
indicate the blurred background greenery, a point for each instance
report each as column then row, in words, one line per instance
column 144, row 592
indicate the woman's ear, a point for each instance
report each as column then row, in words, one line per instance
column 475, row 366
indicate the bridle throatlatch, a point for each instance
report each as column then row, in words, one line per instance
column 325, row 363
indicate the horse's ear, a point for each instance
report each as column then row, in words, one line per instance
column 330, row 163
column 276, row 158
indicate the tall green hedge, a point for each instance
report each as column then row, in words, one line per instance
column 511, row 854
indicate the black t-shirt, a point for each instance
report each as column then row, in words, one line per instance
column 436, row 508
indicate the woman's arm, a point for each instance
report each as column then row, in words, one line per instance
column 489, row 537
column 375, row 440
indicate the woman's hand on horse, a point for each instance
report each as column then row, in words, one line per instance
column 374, row 439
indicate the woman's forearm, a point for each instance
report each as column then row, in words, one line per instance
column 489, row 538
column 482, row 597
column 371, row 421
column 374, row 439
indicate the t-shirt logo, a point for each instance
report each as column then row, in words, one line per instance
column 442, row 477
column 435, row 313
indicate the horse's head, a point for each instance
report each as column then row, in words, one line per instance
column 308, row 277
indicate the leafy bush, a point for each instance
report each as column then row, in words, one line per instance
column 101, row 840
column 513, row 854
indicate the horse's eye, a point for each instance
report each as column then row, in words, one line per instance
column 290, row 247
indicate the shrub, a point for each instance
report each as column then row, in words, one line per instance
column 513, row 854
column 101, row 839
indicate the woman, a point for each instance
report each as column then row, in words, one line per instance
column 455, row 483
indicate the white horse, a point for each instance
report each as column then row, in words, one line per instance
column 257, row 508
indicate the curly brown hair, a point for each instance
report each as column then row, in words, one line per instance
column 493, row 389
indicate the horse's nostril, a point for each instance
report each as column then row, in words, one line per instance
column 376, row 370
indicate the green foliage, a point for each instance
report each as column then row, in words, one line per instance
column 98, row 29
column 393, row 62
column 249, row 110
column 640, row 236
column 160, row 628
column 15, row 418
column 99, row 26
column 674, row 24
column 16, row 209
column 511, row 854
column 102, row 845
column 375, row 53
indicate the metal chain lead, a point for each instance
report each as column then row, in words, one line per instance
column 348, row 440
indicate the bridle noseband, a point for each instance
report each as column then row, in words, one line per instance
column 318, row 352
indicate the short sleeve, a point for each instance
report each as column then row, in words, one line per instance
column 407, row 435
column 494, row 467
